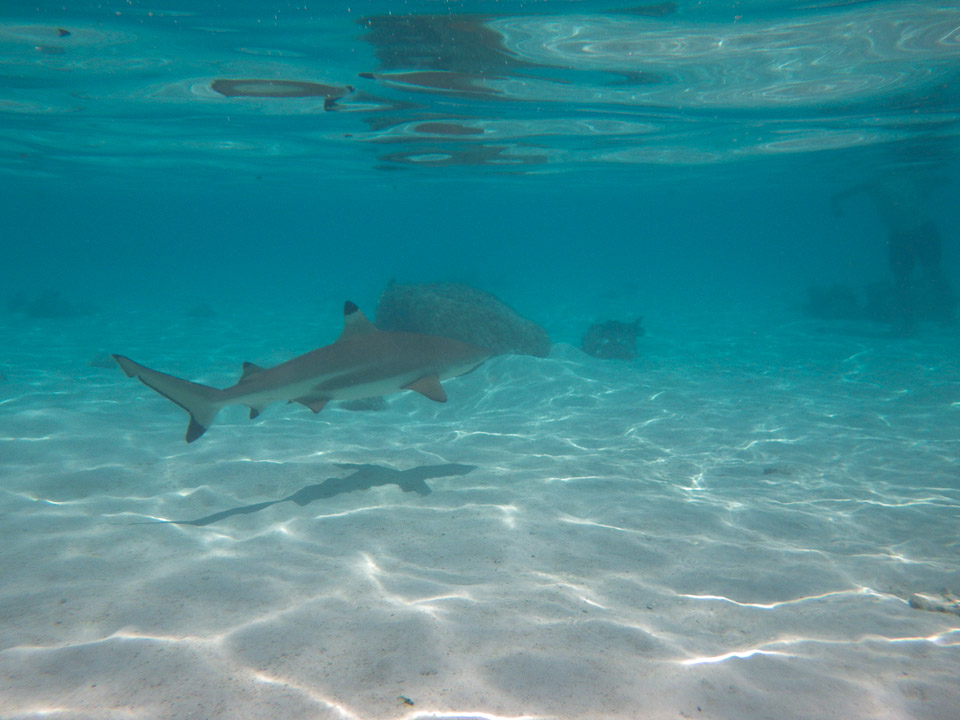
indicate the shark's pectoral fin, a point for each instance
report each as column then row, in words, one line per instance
column 314, row 403
column 428, row 386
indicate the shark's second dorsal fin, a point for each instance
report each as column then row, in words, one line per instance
column 249, row 370
column 354, row 322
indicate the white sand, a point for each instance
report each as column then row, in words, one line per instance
column 728, row 528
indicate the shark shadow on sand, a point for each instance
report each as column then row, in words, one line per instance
column 363, row 477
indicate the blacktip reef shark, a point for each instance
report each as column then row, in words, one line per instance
column 364, row 362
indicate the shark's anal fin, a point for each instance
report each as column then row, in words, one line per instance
column 314, row 403
column 428, row 386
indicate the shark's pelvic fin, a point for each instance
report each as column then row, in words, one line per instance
column 428, row 386
column 201, row 401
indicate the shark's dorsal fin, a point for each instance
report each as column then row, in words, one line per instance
column 355, row 322
column 428, row 386
column 249, row 370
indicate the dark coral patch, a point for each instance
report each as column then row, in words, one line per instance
column 278, row 89
column 461, row 312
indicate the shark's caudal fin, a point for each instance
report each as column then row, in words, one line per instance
column 202, row 402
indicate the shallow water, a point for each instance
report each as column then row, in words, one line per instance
column 730, row 525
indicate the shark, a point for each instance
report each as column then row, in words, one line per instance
column 364, row 362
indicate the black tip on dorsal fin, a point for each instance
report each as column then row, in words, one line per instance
column 354, row 322
column 249, row 369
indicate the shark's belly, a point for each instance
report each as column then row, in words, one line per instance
column 343, row 386
column 367, row 388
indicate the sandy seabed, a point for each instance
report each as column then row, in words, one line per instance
column 729, row 527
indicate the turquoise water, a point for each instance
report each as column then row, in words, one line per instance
column 730, row 525
column 685, row 149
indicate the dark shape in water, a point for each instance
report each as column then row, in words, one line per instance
column 63, row 33
column 49, row 304
column 279, row 89
column 201, row 311
column 462, row 313
column 364, row 477
column 840, row 302
column 612, row 340
column 834, row 302
column 102, row 362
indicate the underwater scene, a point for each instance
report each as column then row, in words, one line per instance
column 480, row 360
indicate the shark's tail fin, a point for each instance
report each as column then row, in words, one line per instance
column 202, row 402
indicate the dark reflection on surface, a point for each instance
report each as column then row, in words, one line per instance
column 363, row 477
column 441, row 156
column 443, row 55
column 624, row 78
column 439, row 81
column 658, row 83
column 278, row 89
column 450, row 43
column 446, row 128
column 591, row 84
